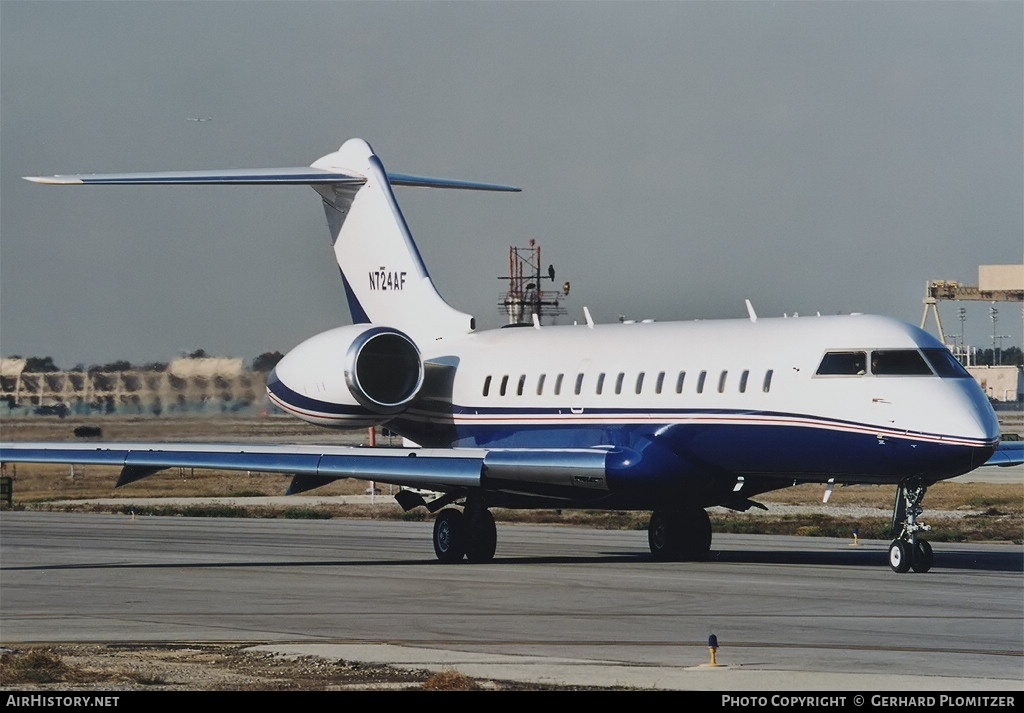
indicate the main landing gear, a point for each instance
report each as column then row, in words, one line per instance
column 470, row 534
column 679, row 534
column 674, row 534
column 907, row 552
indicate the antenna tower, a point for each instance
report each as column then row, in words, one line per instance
column 525, row 296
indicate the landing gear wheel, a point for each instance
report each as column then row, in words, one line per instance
column 449, row 536
column 899, row 556
column 663, row 536
column 679, row 534
column 922, row 556
column 699, row 535
column 481, row 536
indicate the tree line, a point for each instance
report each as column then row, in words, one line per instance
column 1011, row 356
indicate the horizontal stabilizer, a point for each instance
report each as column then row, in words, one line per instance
column 301, row 176
column 258, row 176
column 404, row 179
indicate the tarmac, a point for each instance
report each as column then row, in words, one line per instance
column 615, row 675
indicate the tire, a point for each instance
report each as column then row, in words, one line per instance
column 899, row 556
column 922, row 557
column 449, row 536
column 663, row 536
column 481, row 537
column 675, row 535
column 698, row 536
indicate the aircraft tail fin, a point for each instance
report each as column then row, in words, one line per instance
column 385, row 278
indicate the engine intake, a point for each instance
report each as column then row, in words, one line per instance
column 383, row 370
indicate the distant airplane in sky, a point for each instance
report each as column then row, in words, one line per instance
column 671, row 417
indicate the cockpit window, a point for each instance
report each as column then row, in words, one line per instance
column 945, row 364
column 843, row 363
column 899, row 362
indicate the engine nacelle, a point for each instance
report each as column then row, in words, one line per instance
column 358, row 375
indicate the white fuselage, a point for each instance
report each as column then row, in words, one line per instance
column 737, row 397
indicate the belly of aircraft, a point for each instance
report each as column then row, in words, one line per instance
column 728, row 445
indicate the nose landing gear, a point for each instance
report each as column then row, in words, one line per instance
column 906, row 551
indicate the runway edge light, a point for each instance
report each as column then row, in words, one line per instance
column 713, row 649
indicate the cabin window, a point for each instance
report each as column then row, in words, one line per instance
column 540, row 384
column 660, row 382
column 945, row 364
column 843, row 364
column 558, row 384
column 679, row 382
column 579, row 384
column 639, row 382
column 522, row 383
column 899, row 362
column 768, row 380
column 700, row 382
column 487, row 385
column 721, row 381
column 600, row 383
column 618, row 382
column 504, row 384
column 743, row 381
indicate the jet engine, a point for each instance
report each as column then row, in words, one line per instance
column 358, row 375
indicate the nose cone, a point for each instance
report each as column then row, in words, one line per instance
column 983, row 417
column 975, row 421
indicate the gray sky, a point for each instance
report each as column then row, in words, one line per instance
column 675, row 158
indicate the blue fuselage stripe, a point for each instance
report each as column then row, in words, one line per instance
column 724, row 440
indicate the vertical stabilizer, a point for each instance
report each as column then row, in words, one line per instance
column 385, row 278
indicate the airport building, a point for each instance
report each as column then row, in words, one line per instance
column 207, row 385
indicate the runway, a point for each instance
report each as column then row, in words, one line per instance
column 557, row 604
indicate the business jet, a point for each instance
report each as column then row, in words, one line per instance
column 670, row 417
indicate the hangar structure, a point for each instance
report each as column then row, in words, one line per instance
column 207, row 384
column 996, row 283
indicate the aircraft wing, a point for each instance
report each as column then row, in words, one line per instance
column 312, row 465
column 438, row 469
column 1007, row 453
